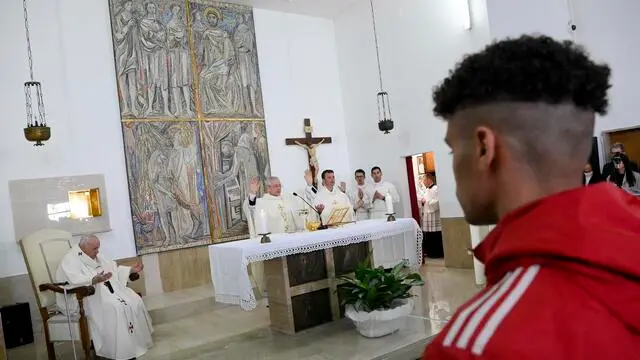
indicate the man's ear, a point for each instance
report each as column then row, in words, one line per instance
column 485, row 142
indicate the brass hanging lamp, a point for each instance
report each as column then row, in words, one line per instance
column 36, row 130
column 385, row 123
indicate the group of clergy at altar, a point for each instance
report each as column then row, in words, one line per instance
column 283, row 211
column 119, row 323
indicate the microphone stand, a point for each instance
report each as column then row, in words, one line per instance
column 322, row 226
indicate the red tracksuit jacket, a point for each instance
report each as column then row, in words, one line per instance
column 563, row 277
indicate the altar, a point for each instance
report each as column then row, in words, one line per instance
column 301, row 269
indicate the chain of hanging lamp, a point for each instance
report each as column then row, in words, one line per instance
column 36, row 129
column 385, row 123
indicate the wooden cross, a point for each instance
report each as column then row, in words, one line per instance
column 310, row 144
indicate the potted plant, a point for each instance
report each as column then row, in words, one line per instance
column 378, row 300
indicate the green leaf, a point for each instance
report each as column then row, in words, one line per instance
column 377, row 288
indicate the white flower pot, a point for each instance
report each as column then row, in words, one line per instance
column 380, row 322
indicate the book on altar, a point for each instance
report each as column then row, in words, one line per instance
column 337, row 215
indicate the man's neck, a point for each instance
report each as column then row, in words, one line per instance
column 329, row 188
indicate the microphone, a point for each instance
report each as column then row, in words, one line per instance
column 322, row 226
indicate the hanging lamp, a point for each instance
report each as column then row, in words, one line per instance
column 385, row 123
column 36, row 129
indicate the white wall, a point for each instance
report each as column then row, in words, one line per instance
column 607, row 30
column 419, row 42
column 511, row 18
column 300, row 79
column 73, row 58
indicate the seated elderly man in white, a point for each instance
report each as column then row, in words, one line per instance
column 119, row 324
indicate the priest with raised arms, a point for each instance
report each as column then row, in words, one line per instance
column 280, row 210
column 330, row 197
column 381, row 190
column 119, row 324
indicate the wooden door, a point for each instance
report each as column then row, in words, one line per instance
column 413, row 197
column 631, row 141
column 429, row 162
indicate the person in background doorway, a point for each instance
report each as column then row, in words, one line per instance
column 430, row 211
column 589, row 176
column 380, row 191
column 616, row 149
column 623, row 176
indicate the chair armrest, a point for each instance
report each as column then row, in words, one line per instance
column 134, row 276
column 80, row 291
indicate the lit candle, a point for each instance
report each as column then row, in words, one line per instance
column 262, row 222
column 389, row 202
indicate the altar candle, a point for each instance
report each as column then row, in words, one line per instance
column 262, row 222
column 389, row 202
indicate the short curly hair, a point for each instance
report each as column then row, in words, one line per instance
column 534, row 69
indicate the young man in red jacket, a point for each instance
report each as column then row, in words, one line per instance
column 563, row 263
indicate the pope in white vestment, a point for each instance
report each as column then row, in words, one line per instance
column 380, row 190
column 330, row 197
column 119, row 324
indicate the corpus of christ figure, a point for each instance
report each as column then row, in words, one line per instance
column 310, row 144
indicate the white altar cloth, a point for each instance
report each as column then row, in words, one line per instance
column 392, row 243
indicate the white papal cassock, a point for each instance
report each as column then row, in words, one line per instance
column 119, row 324
column 332, row 199
column 362, row 210
column 379, row 208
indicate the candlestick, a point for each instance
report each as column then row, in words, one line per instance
column 389, row 202
column 262, row 222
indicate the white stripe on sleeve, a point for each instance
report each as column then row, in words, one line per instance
column 464, row 314
column 472, row 325
column 503, row 310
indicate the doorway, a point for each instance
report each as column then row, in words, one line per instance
column 630, row 138
column 421, row 175
column 417, row 166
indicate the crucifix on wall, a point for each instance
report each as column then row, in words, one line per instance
column 310, row 144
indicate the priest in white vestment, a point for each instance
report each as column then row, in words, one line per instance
column 381, row 189
column 281, row 210
column 119, row 324
column 330, row 197
column 360, row 196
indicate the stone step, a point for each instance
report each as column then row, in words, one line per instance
column 173, row 306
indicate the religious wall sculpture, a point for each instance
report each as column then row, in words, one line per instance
column 192, row 118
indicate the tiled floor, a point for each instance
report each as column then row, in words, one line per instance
column 189, row 325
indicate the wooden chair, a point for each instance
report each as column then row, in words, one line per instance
column 42, row 252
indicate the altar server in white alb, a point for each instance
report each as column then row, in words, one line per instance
column 431, row 226
column 329, row 197
column 119, row 324
column 275, row 211
column 360, row 196
column 382, row 189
